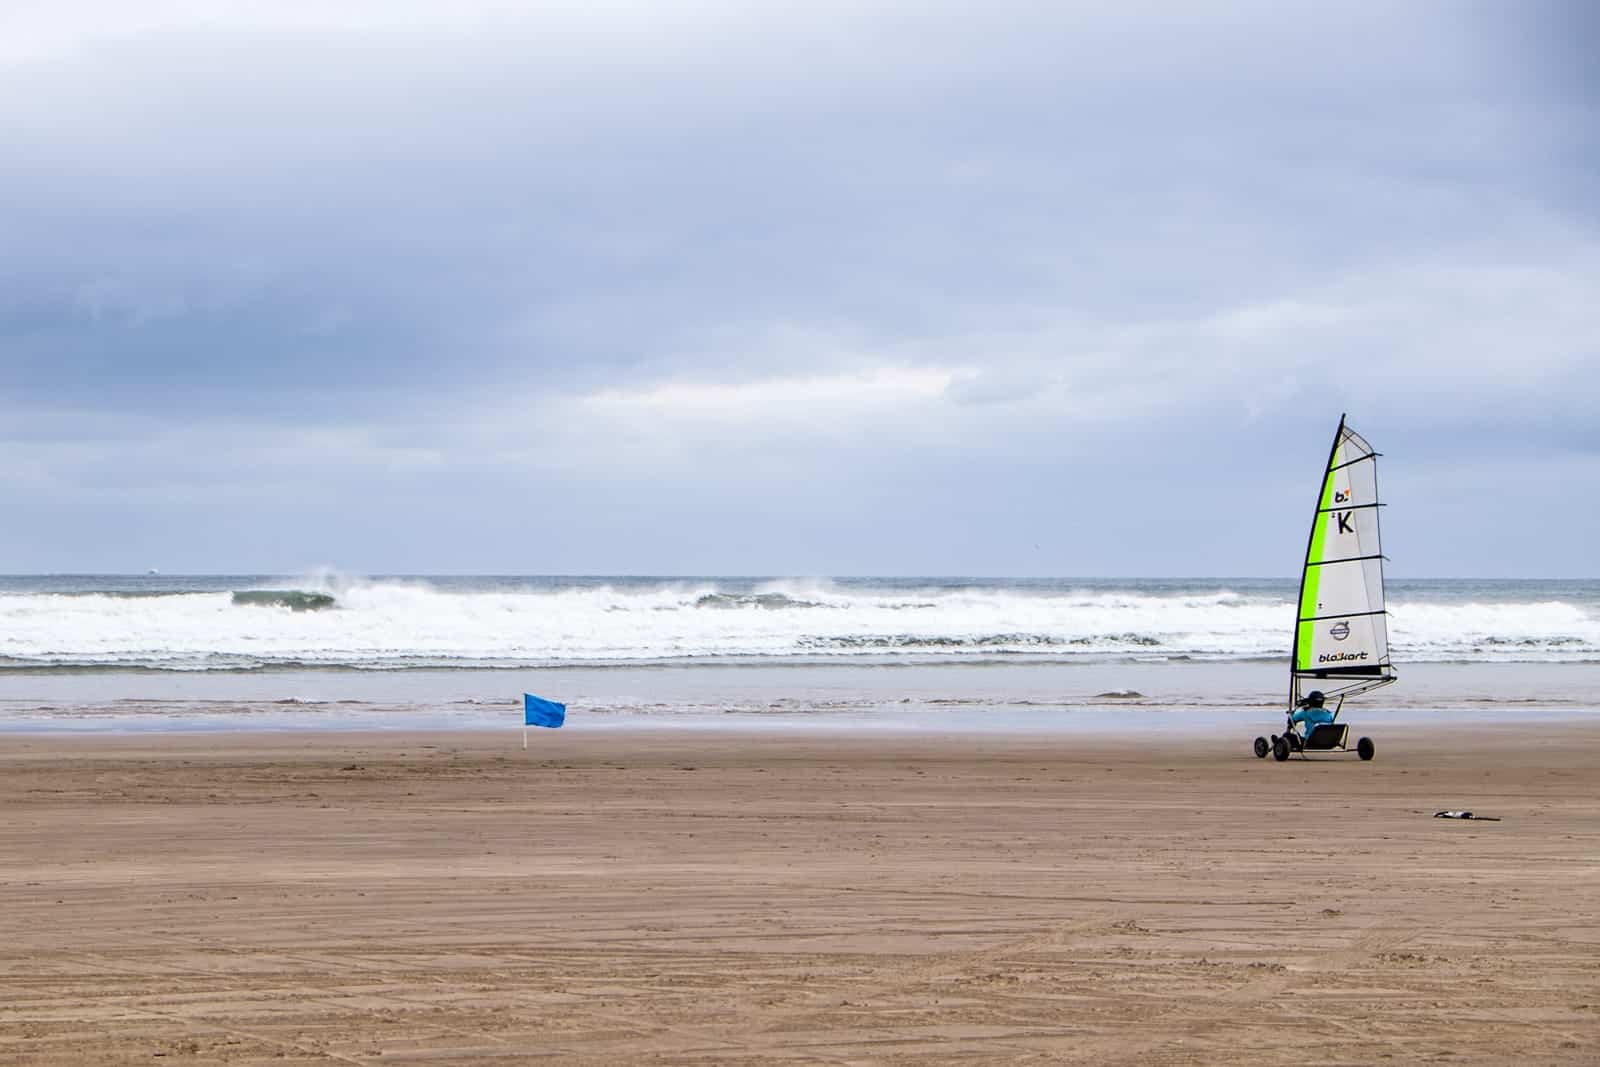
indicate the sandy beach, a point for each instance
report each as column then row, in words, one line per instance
column 714, row 897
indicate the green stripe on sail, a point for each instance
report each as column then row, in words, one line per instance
column 1313, row 578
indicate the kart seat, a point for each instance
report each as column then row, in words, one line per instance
column 1326, row 735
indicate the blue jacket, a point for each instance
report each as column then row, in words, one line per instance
column 1310, row 717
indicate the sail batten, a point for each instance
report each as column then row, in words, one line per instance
column 1353, row 462
column 1341, row 631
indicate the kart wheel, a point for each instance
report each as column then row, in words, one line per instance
column 1280, row 750
column 1365, row 748
column 1262, row 748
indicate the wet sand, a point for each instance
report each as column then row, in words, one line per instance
column 705, row 897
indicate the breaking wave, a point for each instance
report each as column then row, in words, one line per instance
column 1014, row 642
column 769, row 601
column 443, row 624
column 292, row 599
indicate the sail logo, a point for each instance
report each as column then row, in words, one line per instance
column 1339, row 630
column 1341, row 657
column 1343, row 496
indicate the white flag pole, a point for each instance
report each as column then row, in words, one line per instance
column 524, row 737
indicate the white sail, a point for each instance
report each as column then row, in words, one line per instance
column 1341, row 637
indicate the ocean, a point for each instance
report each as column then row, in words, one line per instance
column 325, row 650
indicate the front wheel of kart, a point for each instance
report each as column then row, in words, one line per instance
column 1365, row 748
column 1280, row 749
column 1262, row 748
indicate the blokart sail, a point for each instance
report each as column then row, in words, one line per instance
column 1341, row 633
column 1341, row 636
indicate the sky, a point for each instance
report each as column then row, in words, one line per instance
column 925, row 288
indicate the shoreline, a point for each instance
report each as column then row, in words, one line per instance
column 1031, row 698
column 1110, row 720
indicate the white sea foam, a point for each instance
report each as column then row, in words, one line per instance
column 395, row 624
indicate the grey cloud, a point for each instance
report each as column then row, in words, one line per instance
column 375, row 253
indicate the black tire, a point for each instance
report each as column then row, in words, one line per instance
column 1365, row 748
column 1262, row 748
column 1280, row 750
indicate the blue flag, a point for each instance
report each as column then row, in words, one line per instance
column 537, row 712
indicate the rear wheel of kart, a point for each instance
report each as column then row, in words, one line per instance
column 1280, row 750
column 1262, row 748
column 1365, row 748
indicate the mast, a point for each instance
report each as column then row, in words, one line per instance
column 1311, row 538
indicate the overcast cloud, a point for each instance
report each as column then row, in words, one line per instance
column 1018, row 288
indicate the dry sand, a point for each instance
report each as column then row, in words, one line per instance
column 662, row 897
